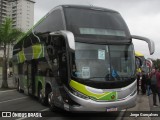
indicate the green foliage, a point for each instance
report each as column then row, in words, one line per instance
column 156, row 63
column 8, row 35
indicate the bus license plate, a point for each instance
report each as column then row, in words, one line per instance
column 111, row 109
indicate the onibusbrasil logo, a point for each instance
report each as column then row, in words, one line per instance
column 21, row 114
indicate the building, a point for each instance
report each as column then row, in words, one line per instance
column 3, row 10
column 21, row 12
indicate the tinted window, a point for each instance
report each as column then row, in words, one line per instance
column 43, row 68
column 18, row 47
column 15, row 69
column 95, row 22
column 20, row 68
column 53, row 22
column 25, row 69
column 27, row 42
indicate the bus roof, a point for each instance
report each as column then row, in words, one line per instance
column 88, row 7
column 64, row 6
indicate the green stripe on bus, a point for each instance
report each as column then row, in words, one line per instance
column 108, row 96
column 21, row 56
column 37, row 51
column 42, row 53
column 40, row 79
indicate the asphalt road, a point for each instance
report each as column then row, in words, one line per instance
column 11, row 100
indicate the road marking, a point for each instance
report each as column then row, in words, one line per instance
column 44, row 109
column 35, row 112
column 13, row 100
column 7, row 91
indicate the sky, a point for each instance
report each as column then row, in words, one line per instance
column 141, row 16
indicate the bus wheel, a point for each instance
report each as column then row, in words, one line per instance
column 42, row 99
column 50, row 102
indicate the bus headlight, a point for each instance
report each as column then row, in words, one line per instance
column 78, row 94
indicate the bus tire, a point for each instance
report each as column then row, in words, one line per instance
column 52, row 107
column 41, row 99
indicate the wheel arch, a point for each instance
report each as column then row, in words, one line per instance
column 48, row 88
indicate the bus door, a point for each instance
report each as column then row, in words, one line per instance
column 31, row 77
column 60, row 48
column 56, row 48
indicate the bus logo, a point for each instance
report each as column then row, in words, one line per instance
column 6, row 114
column 113, row 97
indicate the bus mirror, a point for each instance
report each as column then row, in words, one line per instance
column 68, row 36
column 150, row 43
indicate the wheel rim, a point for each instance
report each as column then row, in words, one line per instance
column 19, row 87
column 40, row 95
column 49, row 98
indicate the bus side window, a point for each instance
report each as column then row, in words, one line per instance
column 20, row 68
column 55, row 64
column 40, row 72
column 50, row 45
column 25, row 68
column 15, row 69
column 49, row 72
column 43, row 68
column 40, row 69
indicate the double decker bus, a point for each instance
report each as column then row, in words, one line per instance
column 78, row 58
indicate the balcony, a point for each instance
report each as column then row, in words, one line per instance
column 14, row 8
column 4, row 12
column 4, row 8
column 14, row 11
column 14, row 17
column 14, row 20
column 4, row 4
column 14, row 24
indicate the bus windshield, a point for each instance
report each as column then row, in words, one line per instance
column 102, row 61
column 90, row 22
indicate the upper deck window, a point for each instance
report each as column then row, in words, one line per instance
column 96, row 31
column 92, row 22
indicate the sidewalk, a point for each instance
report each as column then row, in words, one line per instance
column 154, row 108
column 142, row 104
column 10, row 82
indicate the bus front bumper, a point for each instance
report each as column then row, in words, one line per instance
column 96, row 106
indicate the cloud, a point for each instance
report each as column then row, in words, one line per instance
column 147, row 26
column 38, row 14
column 42, row 7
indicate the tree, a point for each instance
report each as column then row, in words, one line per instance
column 156, row 63
column 8, row 35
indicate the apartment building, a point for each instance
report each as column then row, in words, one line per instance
column 3, row 10
column 21, row 12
